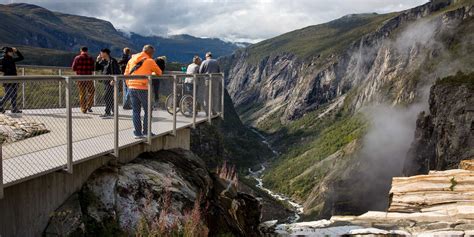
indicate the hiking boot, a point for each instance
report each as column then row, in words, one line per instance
column 105, row 116
column 138, row 136
column 152, row 134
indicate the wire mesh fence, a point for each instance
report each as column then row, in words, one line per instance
column 54, row 119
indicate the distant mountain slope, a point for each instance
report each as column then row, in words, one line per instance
column 312, row 91
column 29, row 25
column 182, row 48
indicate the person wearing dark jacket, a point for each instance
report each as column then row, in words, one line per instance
column 123, row 64
column 108, row 66
column 8, row 67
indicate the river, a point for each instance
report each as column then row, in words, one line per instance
column 257, row 175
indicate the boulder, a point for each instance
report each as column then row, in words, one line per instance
column 15, row 129
column 157, row 193
column 437, row 191
column 467, row 164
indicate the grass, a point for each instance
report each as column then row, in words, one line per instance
column 321, row 40
column 459, row 79
column 453, row 184
column 286, row 174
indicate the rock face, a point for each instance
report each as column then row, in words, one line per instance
column 440, row 203
column 445, row 136
column 379, row 63
column 14, row 129
column 284, row 94
column 159, row 192
column 229, row 140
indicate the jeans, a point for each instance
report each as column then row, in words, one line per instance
column 126, row 102
column 109, row 98
column 11, row 93
column 139, row 99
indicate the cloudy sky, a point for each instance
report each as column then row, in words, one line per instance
column 234, row 20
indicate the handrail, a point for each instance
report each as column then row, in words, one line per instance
column 44, row 67
column 67, row 82
column 17, row 79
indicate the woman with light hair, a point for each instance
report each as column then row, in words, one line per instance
column 193, row 68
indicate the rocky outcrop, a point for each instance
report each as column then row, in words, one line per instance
column 13, row 129
column 445, row 135
column 164, row 192
column 229, row 140
column 438, row 204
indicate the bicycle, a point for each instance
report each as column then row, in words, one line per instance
column 185, row 105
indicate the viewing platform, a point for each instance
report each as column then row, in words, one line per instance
column 68, row 137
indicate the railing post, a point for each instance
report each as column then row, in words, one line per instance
column 175, row 97
column 223, row 95
column 116, row 117
column 95, row 90
column 23, row 88
column 69, row 124
column 60, row 89
column 209, row 104
column 124, row 95
column 1, row 171
column 149, row 109
column 194, row 100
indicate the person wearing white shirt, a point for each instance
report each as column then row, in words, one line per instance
column 193, row 68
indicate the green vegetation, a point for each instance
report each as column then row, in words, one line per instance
column 453, row 184
column 251, row 183
column 321, row 40
column 459, row 79
column 292, row 173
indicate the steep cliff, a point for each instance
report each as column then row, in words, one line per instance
column 339, row 100
column 160, row 194
column 444, row 135
column 229, row 140
column 382, row 55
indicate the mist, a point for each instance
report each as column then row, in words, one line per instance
column 392, row 121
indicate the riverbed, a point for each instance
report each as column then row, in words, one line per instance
column 258, row 175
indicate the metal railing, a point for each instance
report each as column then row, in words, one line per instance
column 67, row 136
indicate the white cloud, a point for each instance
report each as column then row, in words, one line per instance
column 234, row 20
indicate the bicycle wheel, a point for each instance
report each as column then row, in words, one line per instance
column 186, row 105
column 169, row 104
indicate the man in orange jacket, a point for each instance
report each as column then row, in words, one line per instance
column 141, row 64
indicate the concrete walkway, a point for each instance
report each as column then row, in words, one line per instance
column 92, row 137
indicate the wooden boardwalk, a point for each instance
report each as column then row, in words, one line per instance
column 92, row 137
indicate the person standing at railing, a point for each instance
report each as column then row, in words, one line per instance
column 8, row 67
column 84, row 65
column 141, row 64
column 109, row 66
column 208, row 66
column 127, row 54
column 193, row 68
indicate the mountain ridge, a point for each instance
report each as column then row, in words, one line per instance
column 37, row 27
